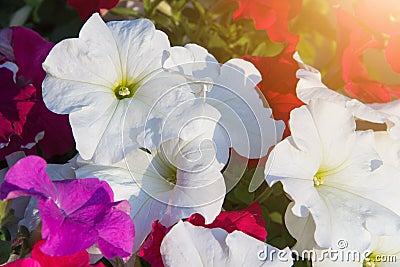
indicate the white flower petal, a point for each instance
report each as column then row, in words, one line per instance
column 303, row 165
column 302, row 229
column 244, row 251
column 189, row 245
column 143, row 180
column 12, row 67
column 311, row 87
column 89, row 133
column 251, row 130
column 103, row 58
column 248, row 124
column 138, row 39
column 335, row 127
column 92, row 58
column 388, row 148
column 348, row 193
column 75, row 95
column 192, row 60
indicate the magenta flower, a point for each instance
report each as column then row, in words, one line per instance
column 24, row 119
column 75, row 213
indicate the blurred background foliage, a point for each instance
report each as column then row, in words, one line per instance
column 347, row 43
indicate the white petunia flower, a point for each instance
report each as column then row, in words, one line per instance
column 334, row 174
column 303, row 228
column 189, row 245
column 246, row 122
column 388, row 148
column 310, row 86
column 384, row 251
column 175, row 180
column 96, row 77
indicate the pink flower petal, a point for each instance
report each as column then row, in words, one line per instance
column 115, row 234
column 28, row 177
column 75, row 213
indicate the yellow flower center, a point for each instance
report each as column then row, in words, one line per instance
column 166, row 169
column 370, row 261
column 318, row 179
column 122, row 91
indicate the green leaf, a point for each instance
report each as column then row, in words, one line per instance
column 123, row 11
column 3, row 208
column 146, row 4
column 276, row 217
column 5, row 234
column 268, row 49
column 243, row 195
column 7, row 9
column 33, row 3
column 5, row 251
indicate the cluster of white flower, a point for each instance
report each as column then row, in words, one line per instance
column 344, row 182
column 157, row 123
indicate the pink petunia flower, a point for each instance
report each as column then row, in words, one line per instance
column 75, row 213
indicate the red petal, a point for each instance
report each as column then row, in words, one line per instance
column 369, row 91
column 86, row 8
column 355, row 39
column 279, row 84
column 29, row 55
column 23, row 263
column 282, row 105
column 80, row 259
column 150, row 250
column 250, row 221
column 392, row 53
column 378, row 15
column 272, row 16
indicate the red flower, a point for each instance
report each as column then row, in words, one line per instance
column 380, row 15
column 357, row 34
column 86, row 8
column 24, row 119
column 392, row 52
column 279, row 84
column 272, row 16
column 249, row 221
column 383, row 16
column 39, row 259
column 279, row 72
